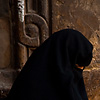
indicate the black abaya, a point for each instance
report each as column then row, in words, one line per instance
column 50, row 73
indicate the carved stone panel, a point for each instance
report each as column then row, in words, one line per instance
column 41, row 24
column 33, row 25
column 32, row 21
column 32, row 6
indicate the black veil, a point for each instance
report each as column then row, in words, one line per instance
column 50, row 73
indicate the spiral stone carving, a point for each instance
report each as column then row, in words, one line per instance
column 33, row 27
column 41, row 30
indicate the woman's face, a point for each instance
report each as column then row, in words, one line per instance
column 80, row 67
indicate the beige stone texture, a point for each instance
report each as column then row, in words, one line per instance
column 6, row 74
column 5, row 46
column 84, row 16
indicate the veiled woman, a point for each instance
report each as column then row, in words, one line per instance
column 54, row 70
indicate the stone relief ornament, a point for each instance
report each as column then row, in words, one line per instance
column 21, row 10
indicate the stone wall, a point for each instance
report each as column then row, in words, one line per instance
column 6, row 73
column 47, row 16
column 82, row 15
column 5, row 47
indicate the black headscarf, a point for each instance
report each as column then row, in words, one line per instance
column 50, row 73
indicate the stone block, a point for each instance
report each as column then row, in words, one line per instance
column 92, row 83
column 4, row 8
column 7, row 78
column 75, row 14
column 5, row 45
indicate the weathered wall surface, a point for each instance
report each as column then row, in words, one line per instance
column 82, row 15
column 5, row 48
column 77, row 14
column 5, row 51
